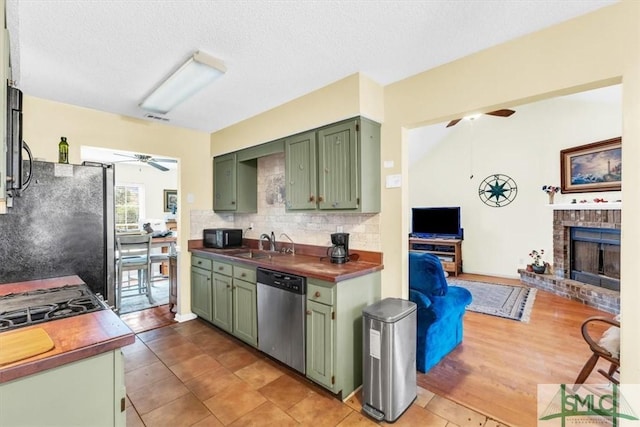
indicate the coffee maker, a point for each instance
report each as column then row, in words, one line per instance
column 339, row 252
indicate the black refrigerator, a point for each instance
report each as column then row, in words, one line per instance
column 61, row 225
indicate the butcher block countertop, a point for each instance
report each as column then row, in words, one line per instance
column 308, row 261
column 74, row 338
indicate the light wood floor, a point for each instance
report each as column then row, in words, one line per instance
column 500, row 362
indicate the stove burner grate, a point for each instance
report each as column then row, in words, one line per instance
column 41, row 305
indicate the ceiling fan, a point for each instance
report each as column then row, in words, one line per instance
column 500, row 113
column 150, row 160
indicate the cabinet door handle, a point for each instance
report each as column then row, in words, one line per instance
column 317, row 294
column 220, row 268
column 233, row 202
column 243, row 275
column 308, row 312
column 320, row 199
column 311, row 198
column 199, row 262
column 228, row 286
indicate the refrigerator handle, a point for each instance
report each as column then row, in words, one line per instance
column 25, row 184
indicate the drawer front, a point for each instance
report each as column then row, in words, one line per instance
column 320, row 294
column 201, row 262
column 448, row 266
column 222, row 268
column 243, row 273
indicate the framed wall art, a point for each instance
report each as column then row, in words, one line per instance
column 170, row 200
column 592, row 167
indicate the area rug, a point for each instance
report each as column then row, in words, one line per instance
column 509, row 301
column 134, row 302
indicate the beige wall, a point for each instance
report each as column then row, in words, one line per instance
column 46, row 121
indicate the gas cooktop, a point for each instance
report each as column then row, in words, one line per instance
column 42, row 305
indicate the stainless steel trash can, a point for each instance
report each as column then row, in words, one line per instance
column 389, row 351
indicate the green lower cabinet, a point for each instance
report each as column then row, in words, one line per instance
column 86, row 392
column 245, row 312
column 334, row 330
column 320, row 344
column 222, row 302
column 201, row 297
column 225, row 295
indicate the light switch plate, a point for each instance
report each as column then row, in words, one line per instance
column 393, row 181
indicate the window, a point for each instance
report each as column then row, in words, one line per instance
column 129, row 206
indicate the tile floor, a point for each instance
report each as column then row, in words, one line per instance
column 192, row 374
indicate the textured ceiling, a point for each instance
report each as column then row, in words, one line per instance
column 108, row 55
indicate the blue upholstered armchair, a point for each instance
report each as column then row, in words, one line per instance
column 440, row 309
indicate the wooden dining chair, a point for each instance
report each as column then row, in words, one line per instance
column 134, row 254
column 605, row 348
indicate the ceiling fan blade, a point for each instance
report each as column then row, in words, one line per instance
column 501, row 113
column 125, row 155
column 155, row 159
column 157, row 166
column 453, row 122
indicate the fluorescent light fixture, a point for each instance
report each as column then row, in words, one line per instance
column 199, row 70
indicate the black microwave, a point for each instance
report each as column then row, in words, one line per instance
column 221, row 238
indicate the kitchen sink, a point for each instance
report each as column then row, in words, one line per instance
column 257, row 254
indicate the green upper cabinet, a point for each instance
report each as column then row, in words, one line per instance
column 235, row 184
column 332, row 168
column 347, row 156
column 300, row 171
column 224, row 182
column 338, row 167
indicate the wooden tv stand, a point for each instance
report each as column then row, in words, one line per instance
column 448, row 250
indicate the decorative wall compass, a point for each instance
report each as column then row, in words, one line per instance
column 497, row 190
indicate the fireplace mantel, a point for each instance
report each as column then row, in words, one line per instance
column 586, row 206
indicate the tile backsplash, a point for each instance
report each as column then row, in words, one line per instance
column 307, row 227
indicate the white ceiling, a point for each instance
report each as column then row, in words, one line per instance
column 108, row 55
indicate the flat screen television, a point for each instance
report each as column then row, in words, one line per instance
column 438, row 222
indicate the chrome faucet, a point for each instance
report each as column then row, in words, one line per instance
column 293, row 245
column 263, row 237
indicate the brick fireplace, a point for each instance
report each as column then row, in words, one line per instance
column 559, row 281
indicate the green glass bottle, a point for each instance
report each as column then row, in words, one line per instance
column 63, row 150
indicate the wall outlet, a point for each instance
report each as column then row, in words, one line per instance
column 339, row 229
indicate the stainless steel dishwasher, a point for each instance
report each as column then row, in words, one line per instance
column 281, row 317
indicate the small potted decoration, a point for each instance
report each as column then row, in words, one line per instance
column 551, row 190
column 538, row 265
